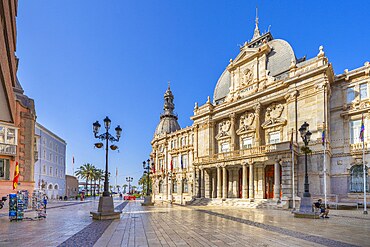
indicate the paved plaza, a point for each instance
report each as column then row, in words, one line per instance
column 69, row 224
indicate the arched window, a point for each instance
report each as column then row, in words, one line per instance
column 185, row 186
column 55, row 187
column 357, row 179
column 50, row 187
column 174, row 186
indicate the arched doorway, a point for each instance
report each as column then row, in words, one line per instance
column 49, row 191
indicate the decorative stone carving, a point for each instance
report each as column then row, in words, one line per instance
column 246, row 123
column 273, row 115
column 223, row 129
column 246, row 77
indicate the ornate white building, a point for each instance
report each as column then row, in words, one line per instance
column 239, row 146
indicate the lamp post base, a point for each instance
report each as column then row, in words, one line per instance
column 147, row 201
column 106, row 210
column 305, row 209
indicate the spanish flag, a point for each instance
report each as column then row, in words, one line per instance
column 16, row 176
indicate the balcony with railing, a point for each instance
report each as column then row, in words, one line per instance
column 358, row 147
column 276, row 148
column 8, row 149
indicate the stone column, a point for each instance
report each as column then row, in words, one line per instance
column 244, row 185
column 166, row 191
column 202, row 187
column 214, row 185
column 211, row 137
column 207, row 183
column 232, row 132
column 251, row 180
column 224, row 182
column 219, row 189
column 276, row 180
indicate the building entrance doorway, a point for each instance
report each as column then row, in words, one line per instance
column 269, row 182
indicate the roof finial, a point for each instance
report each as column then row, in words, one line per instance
column 256, row 33
column 169, row 82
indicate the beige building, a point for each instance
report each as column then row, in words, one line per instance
column 71, row 186
column 245, row 146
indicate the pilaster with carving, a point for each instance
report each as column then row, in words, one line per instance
column 257, row 111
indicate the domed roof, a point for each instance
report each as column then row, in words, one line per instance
column 222, row 86
column 280, row 57
column 168, row 122
column 278, row 61
column 167, row 125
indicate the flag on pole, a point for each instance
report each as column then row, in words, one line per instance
column 16, row 176
column 291, row 142
column 362, row 131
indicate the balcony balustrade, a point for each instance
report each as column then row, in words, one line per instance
column 248, row 152
column 7, row 149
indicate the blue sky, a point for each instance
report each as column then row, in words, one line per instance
column 84, row 60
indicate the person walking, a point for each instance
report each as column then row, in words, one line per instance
column 45, row 201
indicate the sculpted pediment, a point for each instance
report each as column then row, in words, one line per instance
column 273, row 115
column 246, row 123
column 223, row 129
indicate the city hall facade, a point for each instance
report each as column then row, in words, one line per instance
column 244, row 145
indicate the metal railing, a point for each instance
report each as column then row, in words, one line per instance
column 248, row 152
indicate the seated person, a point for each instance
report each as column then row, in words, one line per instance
column 323, row 211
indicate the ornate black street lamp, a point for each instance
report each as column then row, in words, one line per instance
column 306, row 137
column 129, row 180
column 147, row 167
column 306, row 201
column 106, row 207
column 107, row 137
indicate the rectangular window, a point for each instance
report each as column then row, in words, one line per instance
column 274, row 137
column 355, row 127
column 225, row 147
column 247, row 143
column 44, row 169
column 8, row 135
column 161, row 165
column 184, row 160
column 350, row 94
column 2, row 134
column 363, row 91
column 56, row 172
column 4, row 169
column 51, row 171
column 174, row 162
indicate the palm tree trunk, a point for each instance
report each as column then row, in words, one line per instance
column 94, row 187
column 87, row 180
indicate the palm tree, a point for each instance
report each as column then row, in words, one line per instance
column 99, row 175
column 124, row 188
column 85, row 172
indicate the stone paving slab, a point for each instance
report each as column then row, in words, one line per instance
column 184, row 226
column 61, row 223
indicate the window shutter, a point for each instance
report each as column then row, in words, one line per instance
column 7, row 170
